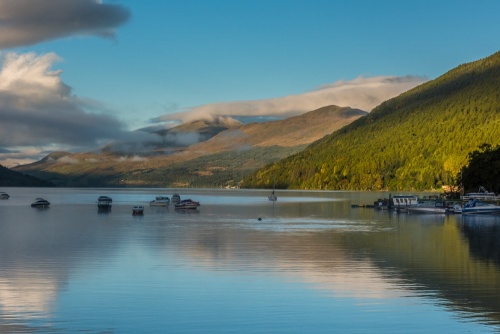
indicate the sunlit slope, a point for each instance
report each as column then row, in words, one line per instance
column 418, row 140
column 223, row 154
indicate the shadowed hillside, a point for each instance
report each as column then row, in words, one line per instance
column 10, row 178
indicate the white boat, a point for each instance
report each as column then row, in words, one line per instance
column 176, row 198
column 138, row 210
column 104, row 202
column 4, row 195
column 428, row 207
column 40, row 203
column 457, row 208
column 187, row 204
column 401, row 203
column 482, row 195
column 475, row 206
column 160, row 201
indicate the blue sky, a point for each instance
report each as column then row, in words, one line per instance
column 169, row 58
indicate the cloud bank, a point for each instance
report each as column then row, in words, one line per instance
column 37, row 109
column 362, row 93
column 28, row 22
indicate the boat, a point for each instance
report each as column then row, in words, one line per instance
column 4, row 195
column 475, row 206
column 401, row 203
column 187, row 204
column 482, row 194
column 40, row 203
column 138, row 210
column 457, row 208
column 381, row 204
column 176, row 198
column 104, row 202
column 428, row 207
column 272, row 197
column 160, row 201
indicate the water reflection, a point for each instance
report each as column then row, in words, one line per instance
column 482, row 233
column 104, row 210
column 302, row 261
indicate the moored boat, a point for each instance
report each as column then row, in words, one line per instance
column 435, row 207
column 381, row 204
column 401, row 203
column 4, row 195
column 475, row 206
column 457, row 208
column 40, row 203
column 138, row 210
column 104, row 202
column 160, row 201
column 176, row 198
column 482, row 194
column 187, row 204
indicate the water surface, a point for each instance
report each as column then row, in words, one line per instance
column 310, row 264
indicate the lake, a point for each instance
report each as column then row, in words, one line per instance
column 311, row 264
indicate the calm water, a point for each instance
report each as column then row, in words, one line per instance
column 312, row 264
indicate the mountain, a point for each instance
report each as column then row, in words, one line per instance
column 417, row 141
column 204, row 129
column 198, row 154
column 293, row 131
column 10, row 178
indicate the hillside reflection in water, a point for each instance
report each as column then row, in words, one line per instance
column 311, row 263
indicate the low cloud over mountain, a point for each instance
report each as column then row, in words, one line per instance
column 361, row 93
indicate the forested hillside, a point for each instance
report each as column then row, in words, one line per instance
column 10, row 178
column 417, row 141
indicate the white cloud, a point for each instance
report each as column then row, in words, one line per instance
column 27, row 22
column 362, row 93
column 38, row 111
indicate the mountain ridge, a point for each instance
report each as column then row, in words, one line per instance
column 438, row 124
column 164, row 164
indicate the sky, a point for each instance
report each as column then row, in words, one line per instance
column 78, row 74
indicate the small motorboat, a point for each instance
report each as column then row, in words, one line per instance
column 475, row 206
column 435, row 207
column 138, row 210
column 104, row 202
column 160, row 201
column 40, row 203
column 176, row 198
column 4, row 195
column 187, row 204
column 457, row 208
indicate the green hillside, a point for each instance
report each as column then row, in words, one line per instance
column 417, row 141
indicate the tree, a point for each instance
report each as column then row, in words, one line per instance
column 483, row 169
